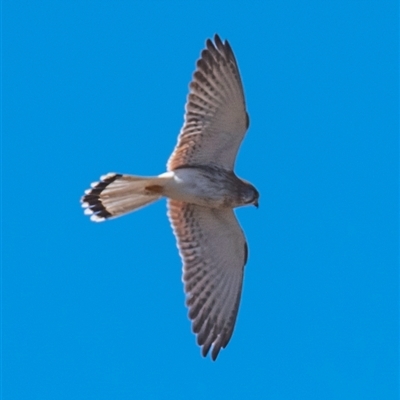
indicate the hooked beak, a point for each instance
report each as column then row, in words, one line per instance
column 256, row 203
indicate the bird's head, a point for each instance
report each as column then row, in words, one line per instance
column 250, row 194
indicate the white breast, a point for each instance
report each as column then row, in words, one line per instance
column 192, row 185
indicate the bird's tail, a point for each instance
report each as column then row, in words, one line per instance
column 118, row 194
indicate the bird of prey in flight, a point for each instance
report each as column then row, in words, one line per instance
column 202, row 191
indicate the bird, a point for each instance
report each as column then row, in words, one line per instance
column 202, row 191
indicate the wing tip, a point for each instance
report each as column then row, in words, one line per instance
column 215, row 347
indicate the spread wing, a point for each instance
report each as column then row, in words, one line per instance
column 216, row 118
column 214, row 252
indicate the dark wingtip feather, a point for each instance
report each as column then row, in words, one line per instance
column 209, row 44
column 216, row 37
column 215, row 352
column 205, row 350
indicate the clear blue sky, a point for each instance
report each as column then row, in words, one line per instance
column 96, row 311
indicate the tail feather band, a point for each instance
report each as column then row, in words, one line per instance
column 118, row 194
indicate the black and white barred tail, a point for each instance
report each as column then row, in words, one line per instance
column 118, row 194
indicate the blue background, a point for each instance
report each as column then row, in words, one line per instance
column 96, row 311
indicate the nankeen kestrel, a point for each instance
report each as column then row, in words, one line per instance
column 202, row 191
